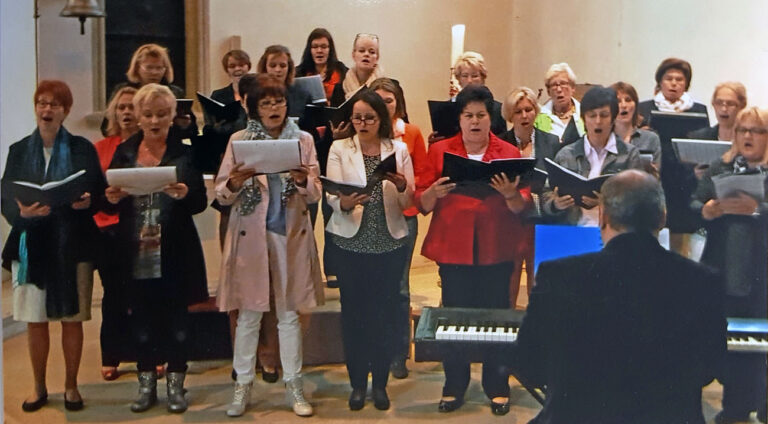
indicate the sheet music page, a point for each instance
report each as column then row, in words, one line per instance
column 268, row 156
column 312, row 84
column 727, row 185
column 700, row 151
column 140, row 181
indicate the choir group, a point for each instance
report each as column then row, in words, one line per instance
column 147, row 250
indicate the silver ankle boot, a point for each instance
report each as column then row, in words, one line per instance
column 294, row 393
column 147, row 391
column 176, row 401
column 240, row 400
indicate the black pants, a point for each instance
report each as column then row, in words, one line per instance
column 115, row 344
column 159, row 319
column 476, row 286
column 369, row 284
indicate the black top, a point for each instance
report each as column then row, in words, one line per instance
column 57, row 242
column 644, row 109
column 629, row 334
column 208, row 150
column 183, row 265
column 545, row 145
column 710, row 133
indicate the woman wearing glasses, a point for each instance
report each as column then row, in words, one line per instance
column 319, row 58
column 51, row 247
column 371, row 234
column 561, row 111
column 737, row 245
column 728, row 100
column 269, row 261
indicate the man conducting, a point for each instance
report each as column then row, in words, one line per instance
column 629, row 334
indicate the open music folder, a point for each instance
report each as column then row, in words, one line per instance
column 268, row 156
column 140, row 181
column 52, row 193
column 319, row 115
column 569, row 182
column 217, row 110
column 473, row 177
column 389, row 164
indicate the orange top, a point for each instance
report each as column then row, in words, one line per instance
column 415, row 141
column 106, row 149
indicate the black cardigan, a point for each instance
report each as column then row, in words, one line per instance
column 57, row 242
column 183, row 265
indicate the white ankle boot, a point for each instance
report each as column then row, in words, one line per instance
column 294, row 393
column 240, row 400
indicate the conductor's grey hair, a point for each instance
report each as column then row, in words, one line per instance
column 633, row 200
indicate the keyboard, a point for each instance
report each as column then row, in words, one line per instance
column 747, row 335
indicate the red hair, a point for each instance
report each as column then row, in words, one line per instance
column 58, row 89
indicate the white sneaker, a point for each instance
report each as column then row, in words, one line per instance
column 240, row 400
column 294, row 393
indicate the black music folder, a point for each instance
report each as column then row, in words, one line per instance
column 335, row 187
column 444, row 117
column 217, row 110
column 535, row 179
column 52, row 193
column 473, row 177
column 569, row 182
column 318, row 115
column 184, row 107
column 671, row 125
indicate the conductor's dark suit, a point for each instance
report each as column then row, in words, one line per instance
column 626, row 335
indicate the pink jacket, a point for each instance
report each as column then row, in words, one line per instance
column 244, row 279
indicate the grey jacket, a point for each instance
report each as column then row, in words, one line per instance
column 574, row 158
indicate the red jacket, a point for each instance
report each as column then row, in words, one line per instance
column 460, row 221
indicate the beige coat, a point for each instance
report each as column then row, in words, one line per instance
column 244, row 279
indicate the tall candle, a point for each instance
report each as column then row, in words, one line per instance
column 457, row 42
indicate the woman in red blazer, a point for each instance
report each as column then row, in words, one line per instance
column 472, row 237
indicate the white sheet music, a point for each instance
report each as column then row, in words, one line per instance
column 729, row 184
column 313, row 85
column 700, row 151
column 140, row 181
column 268, row 156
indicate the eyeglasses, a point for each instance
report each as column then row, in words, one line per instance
column 559, row 84
column 266, row 104
column 153, row 68
column 42, row 104
column 755, row 131
column 360, row 119
column 726, row 103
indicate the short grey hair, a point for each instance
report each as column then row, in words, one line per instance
column 633, row 200
column 559, row 68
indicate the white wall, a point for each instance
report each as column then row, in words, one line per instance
column 415, row 37
column 608, row 40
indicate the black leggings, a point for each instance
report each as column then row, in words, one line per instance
column 476, row 286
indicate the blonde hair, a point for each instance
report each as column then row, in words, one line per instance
column 559, row 68
column 113, row 127
column 737, row 87
column 471, row 60
column 151, row 50
column 150, row 92
column 516, row 96
column 761, row 115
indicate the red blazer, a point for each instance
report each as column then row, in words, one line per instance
column 460, row 221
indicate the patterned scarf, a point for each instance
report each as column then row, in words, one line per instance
column 250, row 196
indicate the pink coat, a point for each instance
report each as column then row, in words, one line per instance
column 244, row 279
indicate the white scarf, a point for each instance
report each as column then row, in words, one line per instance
column 682, row 104
column 398, row 129
column 351, row 84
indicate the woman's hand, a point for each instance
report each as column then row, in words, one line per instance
column 434, row 138
column 507, row 188
column 589, row 201
column 115, row 194
column 343, row 130
column 398, row 180
column 741, row 204
column 441, row 187
column 711, row 210
column 83, row 203
column 562, row 202
column 348, row 202
column 299, row 175
column 34, row 210
column 176, row 190
column 238, row 176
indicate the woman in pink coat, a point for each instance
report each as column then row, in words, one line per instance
column 269, row 248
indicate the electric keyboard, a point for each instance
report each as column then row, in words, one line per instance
column 472, row 334
column 748, row 335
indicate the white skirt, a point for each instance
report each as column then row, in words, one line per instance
column 29, row 300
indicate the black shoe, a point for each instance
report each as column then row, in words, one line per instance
column 721, row 418
column 34, row 406
column 269, row 377
column 75, row 405
column 398, row 369
column 357, row 399
column 331, row 282
column 234, row 375
column 380, row 399
column 499, row 408
column 450, row 405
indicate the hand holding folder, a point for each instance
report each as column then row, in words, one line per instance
column 569, row 183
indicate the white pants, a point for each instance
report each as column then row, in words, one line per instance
column 288, row 327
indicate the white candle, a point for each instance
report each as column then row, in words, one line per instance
column 457, row 42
